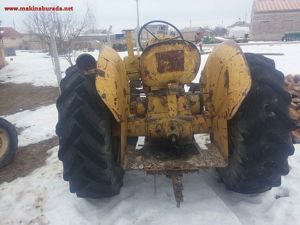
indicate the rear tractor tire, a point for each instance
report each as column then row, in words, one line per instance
column 8, row 142
column 259, row 134
column 87, row 149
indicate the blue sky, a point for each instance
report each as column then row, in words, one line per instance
column 121, row 14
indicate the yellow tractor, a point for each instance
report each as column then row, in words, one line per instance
column 239, row 102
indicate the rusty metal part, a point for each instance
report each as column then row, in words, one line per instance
column 177, row 187
column 168, row 116
column 168, row 62
column 136, row 127
column 172, row 105
column 226, row 81
column 174, row 88
column 113, row 87
column 141, row 107
column 292, row 85
column 195, row 104
column 131, row 62
column 4, row 142
column 168, row 128
column 156, row 127
column 161, row 158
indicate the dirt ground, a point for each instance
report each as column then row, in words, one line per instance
column 27, row 159
column 18, row 97
column 15, row 98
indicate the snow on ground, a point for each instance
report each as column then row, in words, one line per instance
column 43, row 197
column 27, row 67
column 287, row 63
column 36, row 125
column 36, row 68
column 33, row 67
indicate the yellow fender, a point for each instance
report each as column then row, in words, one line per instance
column 112, row 86
column 226, row 81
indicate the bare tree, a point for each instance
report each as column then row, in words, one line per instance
column 66, row 28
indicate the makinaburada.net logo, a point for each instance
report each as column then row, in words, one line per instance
column 39, row 8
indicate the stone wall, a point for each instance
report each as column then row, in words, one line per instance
column 272, row 26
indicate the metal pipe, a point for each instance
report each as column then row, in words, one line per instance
column 138, row 27
column 129, row 44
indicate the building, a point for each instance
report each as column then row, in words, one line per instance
column 189, row 33
column 92, row 39
column 239, row 29
column 11, row 38
column 271, row 19
column 32, row 42
column 238, row 32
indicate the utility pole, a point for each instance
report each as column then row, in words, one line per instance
column 138, row 27
column 54, row 56
column 108, row 36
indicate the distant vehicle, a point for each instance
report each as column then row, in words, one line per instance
column 239, row 34
column 8, row 142
column 211, row 40
column 244, row 39
column 295, row 36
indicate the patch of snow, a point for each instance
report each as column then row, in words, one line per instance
column 203, row 61
column 36, row 125
column 44, row 198
column 287, row 63
column 35, row 68
column 26, row 67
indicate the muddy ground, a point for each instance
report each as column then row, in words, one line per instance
column 27, row 159
column 15, row 98
column 18, row 97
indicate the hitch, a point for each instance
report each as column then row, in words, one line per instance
column 177, row 187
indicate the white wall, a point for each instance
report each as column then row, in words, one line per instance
column 12, row 42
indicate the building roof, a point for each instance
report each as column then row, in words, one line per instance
column 191, row 29
column 9, row 32
column 276, row 5
column 239, row 24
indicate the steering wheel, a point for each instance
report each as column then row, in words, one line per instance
column 156, row 36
